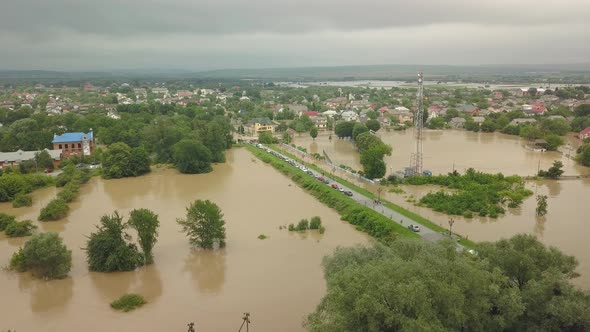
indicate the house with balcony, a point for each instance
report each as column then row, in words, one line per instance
column 258, row 125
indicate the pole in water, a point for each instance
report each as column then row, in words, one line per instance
column 246, row 320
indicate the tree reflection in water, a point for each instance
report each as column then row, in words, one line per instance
column 207, row 268
column 47, row 296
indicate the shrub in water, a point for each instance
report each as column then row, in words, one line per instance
column 291, row 227
column 262, row 237
column 5, row 219
column 128, row 302
column 322, row 229
column 21, row 200
column 45, row 256
column 302, row 225
column 315, row 223
column 20, row 228
column 55, row 210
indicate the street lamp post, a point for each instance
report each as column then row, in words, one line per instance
column 379, row 190
column 451, row 222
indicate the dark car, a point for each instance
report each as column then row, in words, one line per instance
column 348, row 193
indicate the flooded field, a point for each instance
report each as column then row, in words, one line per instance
column 278, row 280
column 566, row 225
column 443, row 150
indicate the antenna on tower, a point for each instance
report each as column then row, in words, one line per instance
column 416, row 160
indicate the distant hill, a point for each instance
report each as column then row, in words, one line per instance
column 481, row 73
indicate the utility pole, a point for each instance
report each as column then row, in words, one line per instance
column 379, row 190
column 246, row 320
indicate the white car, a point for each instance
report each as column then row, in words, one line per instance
column 414, row 228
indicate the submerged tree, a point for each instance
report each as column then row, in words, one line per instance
column 541, row 205
column 146, row 223
column 204, row 224
column 313, row 132
column 45, row 256
column 108, row 249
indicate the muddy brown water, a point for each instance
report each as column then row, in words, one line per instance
column 567, row 224
column 278, row 280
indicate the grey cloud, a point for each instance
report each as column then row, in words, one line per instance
column 134, row 17
column 68, row 34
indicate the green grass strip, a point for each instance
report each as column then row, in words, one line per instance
column 425, row 222
column 364, row 218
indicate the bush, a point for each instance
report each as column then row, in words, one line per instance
column 262, row 237
column 20, row 228
column 5, row 220
column 204, row 224
column 45, row 256
column 21, row 200
column 315, row 223
column 128, row 302
column 302, row 225
column 108, row 251
column 291, row 227
column 55, row 210
column 67, row 195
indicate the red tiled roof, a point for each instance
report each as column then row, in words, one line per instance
column 311, row 113
column 585, row 131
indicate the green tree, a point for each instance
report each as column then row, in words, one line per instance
column 191, row 157
column 584, row 156
column 582, row 110
column 115, row 161
column 54, row 210
column 45, row 256
column 344, row 129
column 146, row 223
column 554, row 172
column 265, row 137
column 437, row 123
column 139, row 162
column 541, row 205
column 358, row 129
column 107, row 249
column 286, row 138
column 553, row 142
column 44, row 160
column 530, row 132
column 399, row 288
column 313, row 132
column 204, row 224
column 373, row 125
column 373, row 164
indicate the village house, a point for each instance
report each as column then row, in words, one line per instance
column 71, row 144
column 8, row 159
column 258, row 125
column 349, row 116
column 468, row 109
column 184, row 94
column 478, row 119
column 520, row 121
column 163, row 91
column 335, row 102
column 584, row 134
column 457, row 123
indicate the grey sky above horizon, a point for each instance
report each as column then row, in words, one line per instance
column 212, row 34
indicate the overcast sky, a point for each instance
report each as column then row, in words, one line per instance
column 211, row 34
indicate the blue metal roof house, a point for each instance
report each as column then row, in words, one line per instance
column 74, row 143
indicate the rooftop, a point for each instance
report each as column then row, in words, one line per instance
column 21, row 155
column 73, row 137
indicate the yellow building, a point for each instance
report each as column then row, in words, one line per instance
column 258, row 125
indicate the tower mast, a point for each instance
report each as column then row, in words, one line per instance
column 416, row 162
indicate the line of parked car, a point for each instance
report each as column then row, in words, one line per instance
column 305, row 169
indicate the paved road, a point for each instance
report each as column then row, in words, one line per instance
column 425, row 233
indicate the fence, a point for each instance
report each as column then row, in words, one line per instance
column 331, row 164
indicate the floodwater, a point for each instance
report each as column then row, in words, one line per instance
column 566, row 225
column 445, row 149
column 278, row 280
